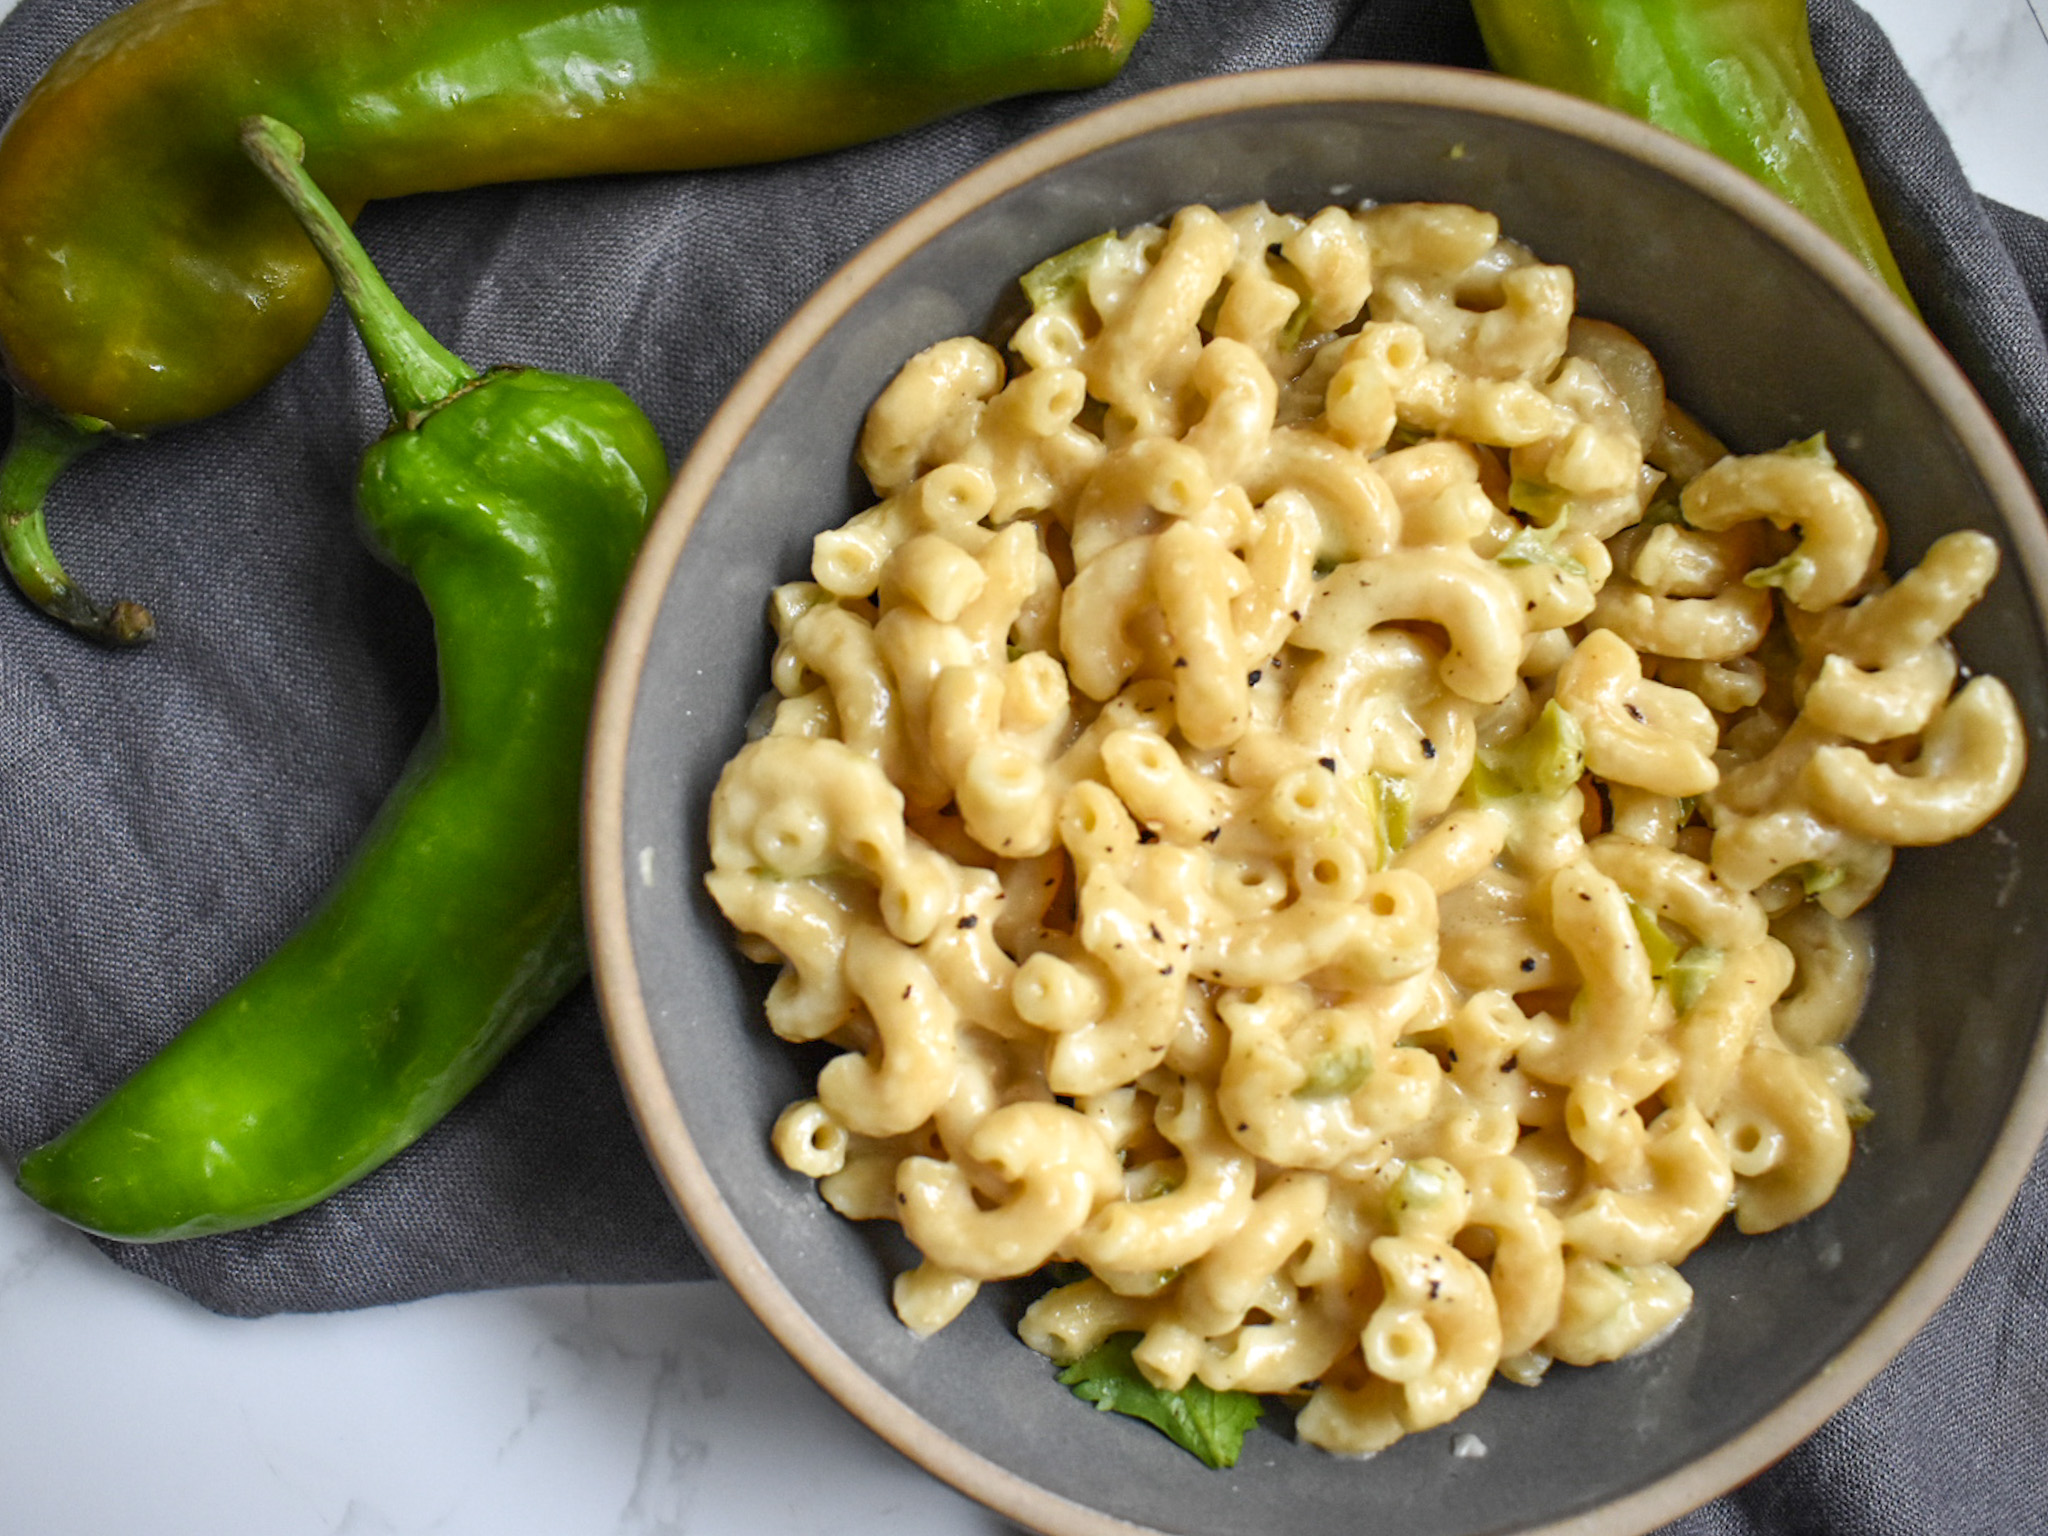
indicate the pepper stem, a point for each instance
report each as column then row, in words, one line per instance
column 45, row 443
column 417, row 372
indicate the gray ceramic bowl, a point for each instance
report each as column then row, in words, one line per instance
column 1769, row 333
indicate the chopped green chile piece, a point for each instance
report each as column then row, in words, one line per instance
column 1394, row 799
column 1392, row 803
column 1664, row 509
column 1163, row 1184
column 1487, row 782
column 1208, row 1424
column 802, row 598
column 1687, row 977
column 1683, row 970
column 1057, row 277
column 1663, row 949
column 1816, row 878
column 1333, row 1074
column 1785, row 573
column 1547, row 759
column 1532, row 546
column 1539, row 499
column 1296, row 328
column 1814, row 447
column 1420, row 1186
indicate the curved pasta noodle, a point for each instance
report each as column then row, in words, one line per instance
column 1884, row 703
column 805, row 806
column 1637, row 731
column 1357, row 516
column 902, row 1082
column 1687, row 1191
column 1058, row 1167
column 936, row 388
column 1838, row 530
column 1969, row 765
column 1915, row 612
column 1474, row 604
column 1789, row 1128
column 1723, row 627
column 1179, row 1226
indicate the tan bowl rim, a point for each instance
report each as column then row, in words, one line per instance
column 627, row 1022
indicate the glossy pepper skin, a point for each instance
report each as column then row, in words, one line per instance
column 516, row 499
column 1737, row 77
column 148, row 276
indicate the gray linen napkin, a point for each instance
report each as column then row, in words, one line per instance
column 216, row 779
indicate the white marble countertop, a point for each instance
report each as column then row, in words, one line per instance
column 554, row 1412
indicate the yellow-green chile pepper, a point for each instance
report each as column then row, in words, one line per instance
column 148, row 277
column 516, row 498
column 1737, row 77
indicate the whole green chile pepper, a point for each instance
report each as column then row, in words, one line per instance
column 516, row 499
column 1737, row 77
column 148, row 276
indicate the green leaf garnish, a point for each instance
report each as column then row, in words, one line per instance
column 1333, row 1074
column 1058, row 277
column 1198, row 1419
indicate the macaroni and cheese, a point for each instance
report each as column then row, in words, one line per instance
column 1318, row 794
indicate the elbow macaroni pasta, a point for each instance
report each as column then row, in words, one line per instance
column 1320, row 795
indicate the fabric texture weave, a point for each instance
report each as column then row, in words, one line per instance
column 216, row 779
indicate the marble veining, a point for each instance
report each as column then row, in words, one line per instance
column 1983, row 67
column 577, row 1411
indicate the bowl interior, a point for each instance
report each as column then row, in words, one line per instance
column 1760, row 346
